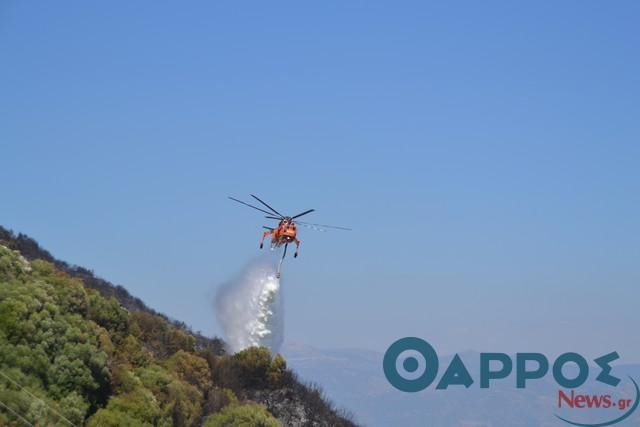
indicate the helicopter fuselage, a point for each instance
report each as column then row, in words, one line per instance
column 284, row 233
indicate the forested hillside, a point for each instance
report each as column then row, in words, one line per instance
column 71, row 354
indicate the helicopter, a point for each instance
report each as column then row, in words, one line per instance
column 286, row 231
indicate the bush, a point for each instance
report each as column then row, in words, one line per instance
column 276, row 372
column 252, row 366
column 191, row 368
column 139, row 407
column 218, row 398
column 107, row 313
column 159, row 335
column 256, row 369
column 250, row 415
column 112, row 418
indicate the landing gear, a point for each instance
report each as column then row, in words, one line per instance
column 264, row 235
column 295, row 255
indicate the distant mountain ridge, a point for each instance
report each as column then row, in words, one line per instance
column 355, row 378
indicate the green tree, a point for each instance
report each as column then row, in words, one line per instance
column 135, row 408
column 191, row 368
column 276, row 372
column 249, row 415
column 107, row 313
column 252, row 366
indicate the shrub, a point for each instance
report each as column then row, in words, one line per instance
column 191, row 368
column 252, row 365
column 218, row 398
column 107, row 313
column 140, row 408
column 249, row 415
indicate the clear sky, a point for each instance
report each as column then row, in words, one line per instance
column 486, row 154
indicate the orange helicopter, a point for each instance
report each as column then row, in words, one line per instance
column 286, row 230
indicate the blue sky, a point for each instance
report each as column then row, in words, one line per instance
column 486, row 155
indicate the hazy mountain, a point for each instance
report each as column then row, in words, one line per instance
column 355, row 379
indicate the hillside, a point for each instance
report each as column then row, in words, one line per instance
column 75, row 349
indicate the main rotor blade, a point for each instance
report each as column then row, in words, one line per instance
column 313, row 227
column 251, row 206
column 303, row 213
column 323, row 225
column 272, row 217
column 272, row 210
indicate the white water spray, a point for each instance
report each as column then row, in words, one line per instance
column 249, row 308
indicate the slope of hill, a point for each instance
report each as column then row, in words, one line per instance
column 74, row 349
